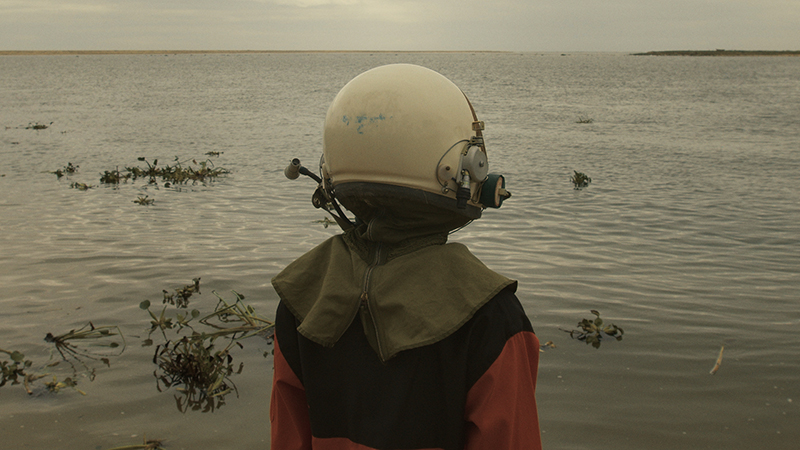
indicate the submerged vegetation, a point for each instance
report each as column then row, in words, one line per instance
column 580, row 180
column 38, row 126
column 69, row 169
column 14, row 370
column 196, row 355
column 177, row 174
column 67, row 345
column 144, row 201
column 71, row 347
column 592, row 330
column 200, row 363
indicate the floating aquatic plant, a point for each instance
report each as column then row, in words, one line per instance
column 325, row 222
column 592, row 331
column 147, row 444
column 585, row 120
column 81, row 186
column 181, row 296
column 55, row 386
column 67, row 346
column 177, row 174
column 113, row 177
column 580, row 180
column 144, row 201
column 14, row 370
column 38, row 126
column 71, row 346
column 202, row 372
column 200, row 363
column 69, row 169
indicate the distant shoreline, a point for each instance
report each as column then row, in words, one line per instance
column 720, row 52
column 199, row 52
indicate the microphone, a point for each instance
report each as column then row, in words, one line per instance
column 292, row 171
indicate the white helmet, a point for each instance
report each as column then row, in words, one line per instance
column 404, row 130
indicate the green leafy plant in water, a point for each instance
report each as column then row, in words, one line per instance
column 181, row 296
column 201, row 363
column 38, row 126
column 81, row 186
column 144, row 201
column 113, row 177
column 592, row 330
column 69, row 169
column 179, row 299
column 55, row 386
column 67, row 345
column 580, row 180
column 202, row 371
column 585, row 120
column 176, row 174
column 14, row 370
column 325, row 222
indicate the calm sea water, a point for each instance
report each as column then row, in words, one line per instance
column 688, row 236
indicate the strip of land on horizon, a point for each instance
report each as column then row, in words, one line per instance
column 721, row 52
column 718, row 52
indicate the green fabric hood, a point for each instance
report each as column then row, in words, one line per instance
column 407, row 294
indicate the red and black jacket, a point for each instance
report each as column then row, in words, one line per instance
column 475, row 389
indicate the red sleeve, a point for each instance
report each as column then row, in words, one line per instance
column 288, row 409
column 501, row 406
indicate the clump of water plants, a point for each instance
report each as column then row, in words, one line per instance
column 325, row 222
column 14, row 370
column 38, row 126
column 592, row 330
column 144, row 201
column 200, row 362
column 113, row 177
column 71, row 346
column 55, row 386
column 580, row 180
column 178, row 173
column 69, row 169
column 81, row 186
column 583, row 119
column 181, row 296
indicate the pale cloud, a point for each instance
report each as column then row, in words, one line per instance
column 543, row 25
column 313, row 3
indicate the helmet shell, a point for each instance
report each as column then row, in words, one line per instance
column 399, row 125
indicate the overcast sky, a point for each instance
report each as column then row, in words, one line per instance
column 515, row 25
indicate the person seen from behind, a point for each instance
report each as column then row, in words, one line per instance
column 387, row 336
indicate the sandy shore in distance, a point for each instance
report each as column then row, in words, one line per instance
column 720, row 52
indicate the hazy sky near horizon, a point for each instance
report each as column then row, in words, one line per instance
column 513, row 25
